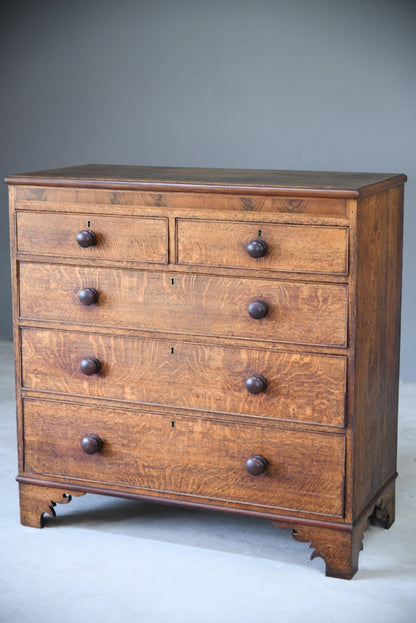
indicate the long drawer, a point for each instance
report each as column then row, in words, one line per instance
column 298, row 386
column 308, row 313
column 302, row 248
column 194, row 459
column 137, row 239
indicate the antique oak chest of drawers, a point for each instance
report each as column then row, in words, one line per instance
column 221, row 339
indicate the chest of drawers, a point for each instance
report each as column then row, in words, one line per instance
column 223, row 339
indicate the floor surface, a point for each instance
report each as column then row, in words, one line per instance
column 111, row 560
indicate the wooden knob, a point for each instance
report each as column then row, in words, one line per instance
column 91, row 444
column 258, row 309
column 88, row 296
column 90, row 366
column 86, row 238
column 257, row 248
column 256, row 384
column 256, row 465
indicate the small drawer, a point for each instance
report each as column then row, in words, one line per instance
column 178, row 457
column 308, row 313
column 300, row 387
column 264, row 246
column 135, row 239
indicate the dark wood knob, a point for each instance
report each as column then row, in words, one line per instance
column 256, row 465
column 257, row 248
column 90, row 366
column 258, row 309
column 256, row 384
column 88, row 296
column 86, row 238
column 91, row 444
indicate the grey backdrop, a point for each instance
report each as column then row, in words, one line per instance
column 292, row 84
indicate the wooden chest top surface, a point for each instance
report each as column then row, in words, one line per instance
column 263, row 181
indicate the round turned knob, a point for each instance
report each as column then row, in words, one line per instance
column 91, row 444
column 257, row 248
column 258, row 309
column 256, row 465
column 88, row 296
column 86, row 238
column 90, row 366
column 256, row 384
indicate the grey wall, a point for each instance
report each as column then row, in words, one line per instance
column 269, row 84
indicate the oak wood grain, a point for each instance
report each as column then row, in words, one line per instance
column 35, row 502
column 300, row 386
column 289, row 247
column 134, row 239
column 378, row 302
column 339, row 548
column 136, row 202
column 307, row 313
column 343, row 184
column 15, row 284
column 194, row 457
column 161, row 302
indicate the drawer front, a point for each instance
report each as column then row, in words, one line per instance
column 309, row 313
column 188, row 458
column 299, row 387
column 302, row 248
column 137, row 239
